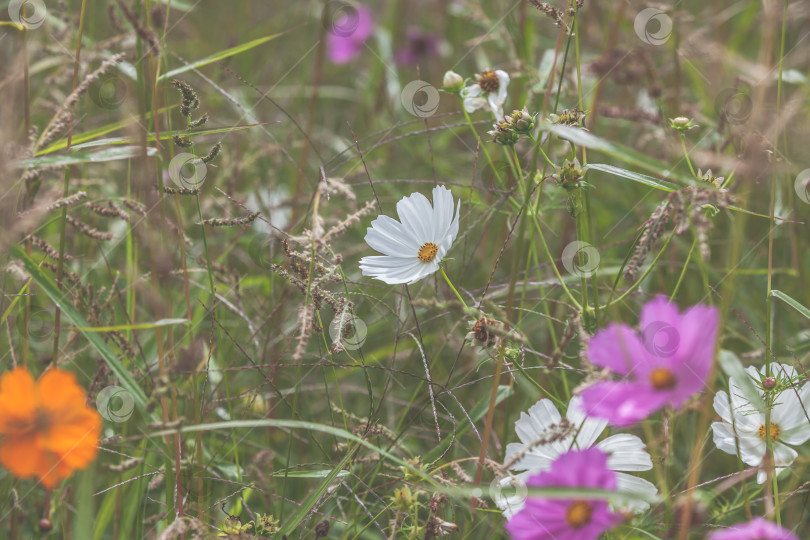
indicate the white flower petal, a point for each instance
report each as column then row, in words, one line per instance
column 752, row 448
column 625, row 452
column 391, row 270
column 589, row 429
column 472, row 104
column 495, row 105
column 378, row 238
column 442, row 214
column 635, row 485
column 414, row 212
column 791, row 413
column 396, row 230
column 534, row 460
column 503, row 82
column 540, row 418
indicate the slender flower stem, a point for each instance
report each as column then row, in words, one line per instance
column 483, row 147
column 686, row 155
column 447, row 279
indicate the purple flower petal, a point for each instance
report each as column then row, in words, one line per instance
column 756, row 529
column 619, row 349
column 623, row 403
column 348, row 34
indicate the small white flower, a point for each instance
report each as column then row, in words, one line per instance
column 414, row 248
column 789, row 421
column 489, row 93
column 625, row 453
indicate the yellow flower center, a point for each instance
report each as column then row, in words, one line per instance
column 427, row 252
column 663, row 379
column 488, row 81
column 578, row 514
column 775, row 431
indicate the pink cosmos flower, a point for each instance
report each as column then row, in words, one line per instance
column 349, row 28
column 666, row 364
column 570, row 519
column 756, row 529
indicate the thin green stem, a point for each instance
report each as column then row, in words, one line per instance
column 686, row 155
column 447, row 279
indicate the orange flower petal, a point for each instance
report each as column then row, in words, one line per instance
column 51, row 431
column 17, row 407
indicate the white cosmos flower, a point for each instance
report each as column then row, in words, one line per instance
column 413, row 248
column 625, row 453
column 488, row 92
column 789, row 421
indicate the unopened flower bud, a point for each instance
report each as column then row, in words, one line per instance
column 681, row 123
column 521, row 121
column 769, row 383
column 453, row 82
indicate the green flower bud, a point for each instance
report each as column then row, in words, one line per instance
column 453, row 82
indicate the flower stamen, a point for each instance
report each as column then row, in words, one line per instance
column 776, row 430
column 579, row 514
column 427, row 252
column 488, row 81
column 663, row 379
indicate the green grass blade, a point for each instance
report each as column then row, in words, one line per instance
column 217, row 57
column 791, row 302
column 74, row 158
column 66, row 306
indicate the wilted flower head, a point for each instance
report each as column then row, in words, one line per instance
column 568, row 117
column 709, row 178
column 756, row 529
column 788, row 426
column 666, row 364
column 581, row 519
column 46, row 428
column 521, row 121
column 344, row 46
column 503, row 134
column 569, row 174
column 488, row 92
column 413, row 248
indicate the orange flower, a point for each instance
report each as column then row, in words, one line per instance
column 46, row 428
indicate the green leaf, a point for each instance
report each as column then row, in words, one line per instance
column 219, row 56
column 66, row 306
column 110, row 154
column 167, row 135
column 133, row 326
column 634, row 176
column 791, row 302
column 580, row 137
column 92, row 134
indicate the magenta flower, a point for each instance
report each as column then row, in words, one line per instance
column 348, row 28
column 570, row 519
column 664, row 365
column 418, row 45
column 756, row 529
